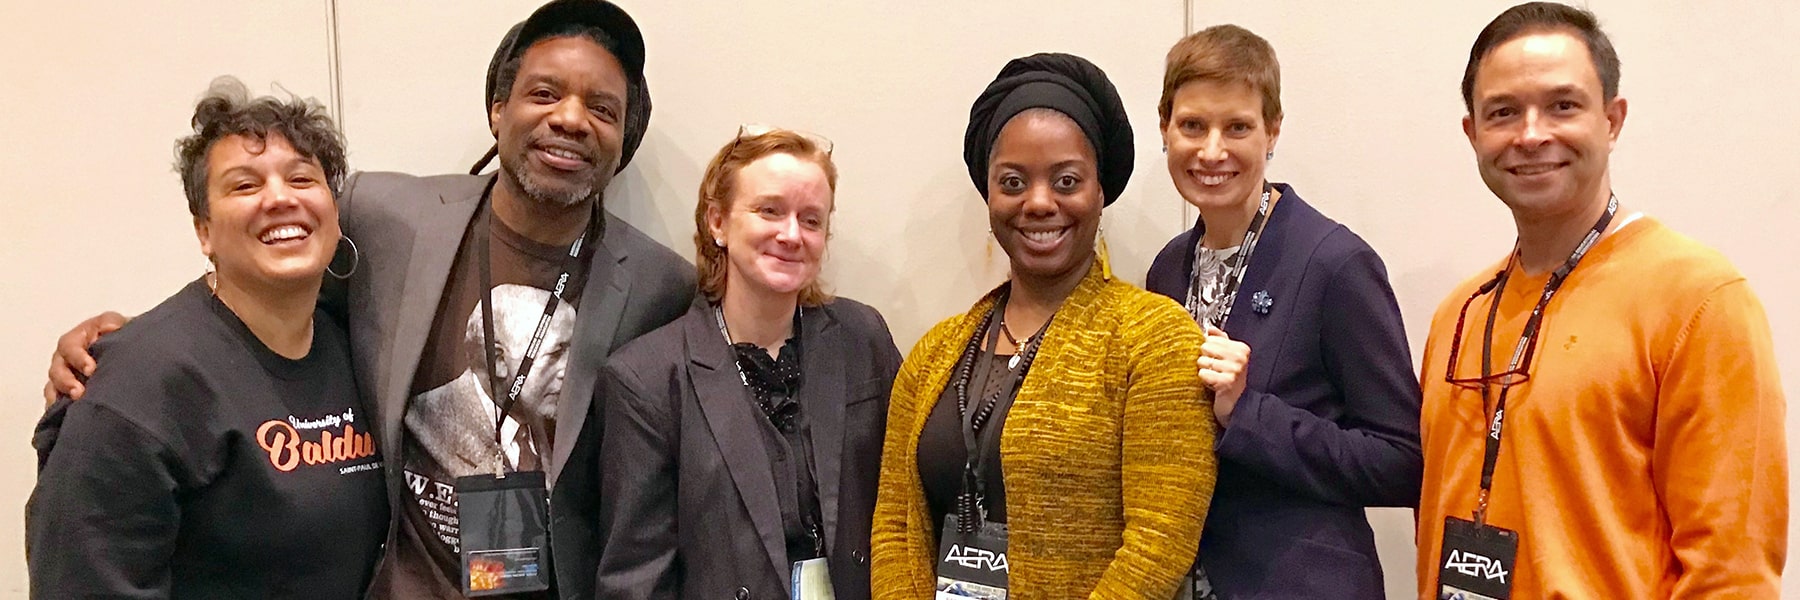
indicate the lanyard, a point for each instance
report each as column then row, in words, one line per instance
column 975, row 369
column 1523, row 351
column 809, row 507
column 572, row 265
column 1229, row 295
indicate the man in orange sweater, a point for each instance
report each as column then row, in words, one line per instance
column 1602, row 413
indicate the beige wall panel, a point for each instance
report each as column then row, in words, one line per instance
column 890, row 83
column 95, row 94
column 94, row 217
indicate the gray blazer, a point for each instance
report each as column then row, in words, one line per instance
column 408, row 230
column 689, row 507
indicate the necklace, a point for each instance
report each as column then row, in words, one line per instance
column 1230, row 275
column 1018, row 344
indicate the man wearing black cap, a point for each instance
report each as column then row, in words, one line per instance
column 470, row 293
column 567, row 106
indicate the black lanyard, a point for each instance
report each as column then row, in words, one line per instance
column 1228, row 296
column 572, row 266
column 809, row 507
column 974, row 374
column 1524, row 350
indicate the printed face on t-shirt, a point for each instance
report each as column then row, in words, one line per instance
column 462, row 412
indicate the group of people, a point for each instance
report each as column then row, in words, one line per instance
column 486, row 385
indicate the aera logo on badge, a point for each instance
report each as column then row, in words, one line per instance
column 976, row 558
column 1475, row 565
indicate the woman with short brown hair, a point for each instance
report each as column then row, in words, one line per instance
column 1324, row 420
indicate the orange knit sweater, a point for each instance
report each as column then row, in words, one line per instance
column 1645, row 457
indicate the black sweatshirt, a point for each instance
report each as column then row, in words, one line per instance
column 201, row 464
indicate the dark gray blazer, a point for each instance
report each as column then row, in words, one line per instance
column 1329, row 419
column 689, row 505
column 408, row 230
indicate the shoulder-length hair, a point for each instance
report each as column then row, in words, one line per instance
column 718, row 185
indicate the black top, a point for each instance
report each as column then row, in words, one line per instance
column 774, row 384
column 941, row 451
column 201, row 464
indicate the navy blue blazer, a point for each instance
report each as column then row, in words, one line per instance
column 1329, row 420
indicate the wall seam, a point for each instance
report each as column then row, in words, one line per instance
column 334, row 66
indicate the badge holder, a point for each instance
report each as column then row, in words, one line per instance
column 1477, row 561
column 504, row 528
column 505, row 533
column 811, row 580
column 972, row 565
column 972, row 549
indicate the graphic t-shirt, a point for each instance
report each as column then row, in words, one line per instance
column 452, row 409
column 201, row 464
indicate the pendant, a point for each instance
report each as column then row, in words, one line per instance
column 1014, row 362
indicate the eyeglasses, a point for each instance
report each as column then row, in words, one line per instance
column 755, row 130
column 1521, row 355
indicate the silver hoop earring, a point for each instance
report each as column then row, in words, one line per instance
column 355, row 259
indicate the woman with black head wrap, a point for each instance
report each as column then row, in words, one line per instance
column 1057, row 423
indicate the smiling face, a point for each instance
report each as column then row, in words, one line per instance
column 1218, row 143
column 1044, row 195
column 773, row 225
column 1540, row 126
column 560, row 129
column 271, row 222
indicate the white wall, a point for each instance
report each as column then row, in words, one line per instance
column 92, row 97
column 93, row 217
column 889, row 83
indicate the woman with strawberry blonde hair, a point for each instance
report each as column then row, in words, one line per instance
column 742, row 440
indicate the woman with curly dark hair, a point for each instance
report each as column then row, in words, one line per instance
column 223, row 449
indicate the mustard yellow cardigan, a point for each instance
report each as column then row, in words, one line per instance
column 1106, row 452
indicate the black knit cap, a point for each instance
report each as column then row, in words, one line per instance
column 629, row 50
column 1067, row 84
